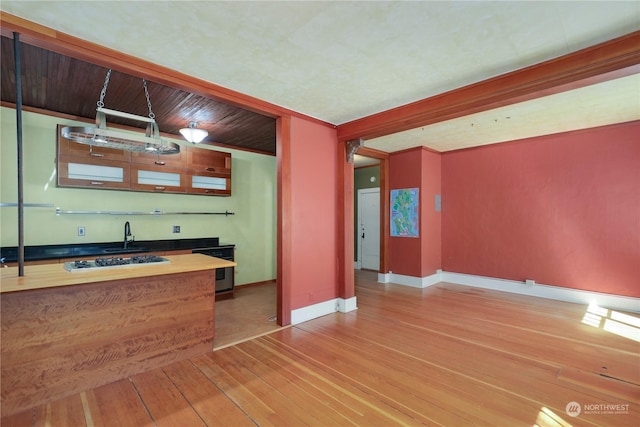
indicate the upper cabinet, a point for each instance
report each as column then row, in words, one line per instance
column 201, row 160
column 87, row 166
column 89, row 173
column 170, row 160
column 96, row 153
column 209, row 172
column 192, row 171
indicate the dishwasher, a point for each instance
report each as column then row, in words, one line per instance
column 224, row 276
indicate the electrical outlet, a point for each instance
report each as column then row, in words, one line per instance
column 176, row 228
column 80, row 231
column 529, row 282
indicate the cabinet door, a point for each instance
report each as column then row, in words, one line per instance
column 178, row 160
column 72, row 172
column 209, row 183
column 90, row 153
column 159, row 179
column 203, row 160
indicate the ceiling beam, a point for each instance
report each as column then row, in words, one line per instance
column 47, row 38
column 606, row 61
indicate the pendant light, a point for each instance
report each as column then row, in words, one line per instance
column 193, row 134
column 102, row 136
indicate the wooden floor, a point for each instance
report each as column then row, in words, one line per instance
column 251, row 313
column 447, row 355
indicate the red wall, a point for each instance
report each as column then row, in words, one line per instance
column 314, row 218
column 562, row 210
column 417, row 257
column 431, row 231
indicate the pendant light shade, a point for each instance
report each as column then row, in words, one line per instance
column 193, row 134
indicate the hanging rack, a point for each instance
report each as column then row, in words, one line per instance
column 101, row 136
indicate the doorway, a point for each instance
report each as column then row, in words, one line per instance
column 369, row 228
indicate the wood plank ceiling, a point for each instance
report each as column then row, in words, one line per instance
column 66, row 85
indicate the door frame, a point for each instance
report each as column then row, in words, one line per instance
column 346, row 187
column 361, row 191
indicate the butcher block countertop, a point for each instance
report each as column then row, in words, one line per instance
column 54, row 275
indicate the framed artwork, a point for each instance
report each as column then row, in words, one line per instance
column 404, row 219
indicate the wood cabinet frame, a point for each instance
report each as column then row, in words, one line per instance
column 190, row 162
column 64, row 179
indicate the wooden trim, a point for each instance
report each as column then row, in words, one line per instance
column 345, row 229
column 384, row 202
column 56, row 41
column 384, row 215
column 373, row 153
column 606, row 61
column 283, row 262
column 366, row 166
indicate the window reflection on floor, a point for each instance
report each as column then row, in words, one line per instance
column 615, row 322
column 548, row 418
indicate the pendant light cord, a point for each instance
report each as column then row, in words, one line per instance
column 146, row 93
column 103, row 92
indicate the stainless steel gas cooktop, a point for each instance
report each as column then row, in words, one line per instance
column 112, row 262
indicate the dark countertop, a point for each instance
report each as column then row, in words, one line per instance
column 71, row 250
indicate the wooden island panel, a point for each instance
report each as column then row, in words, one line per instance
column 57, row 341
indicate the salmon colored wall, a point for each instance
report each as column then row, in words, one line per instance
column 563, row 210
column 313, row 217
column 417, row 257
column 431, row 225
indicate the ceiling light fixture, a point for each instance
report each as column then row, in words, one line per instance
column 101, row 136
column 192, row 134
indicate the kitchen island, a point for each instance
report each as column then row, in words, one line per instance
column 64, row 332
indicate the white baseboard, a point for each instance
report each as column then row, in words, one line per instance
column 322, row 309
column 529, row 288
column 578, row 296
column 347, row 305
column 414, row 282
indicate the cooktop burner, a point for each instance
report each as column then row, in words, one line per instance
column 100, row 263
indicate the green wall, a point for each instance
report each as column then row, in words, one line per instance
column 252, row 229
column 362, row 179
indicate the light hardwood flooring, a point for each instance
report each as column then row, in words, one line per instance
column 249, row 314
column 447, row 355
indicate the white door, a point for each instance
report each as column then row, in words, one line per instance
column 369, row 228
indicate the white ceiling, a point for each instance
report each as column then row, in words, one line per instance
column 614, row 101
column 342, row 60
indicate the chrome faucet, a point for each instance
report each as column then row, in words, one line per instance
column 127, row 234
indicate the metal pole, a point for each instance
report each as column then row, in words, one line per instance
column 16, row 53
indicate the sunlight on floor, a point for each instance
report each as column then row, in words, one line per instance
column 548, row 418
column 612, row 321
